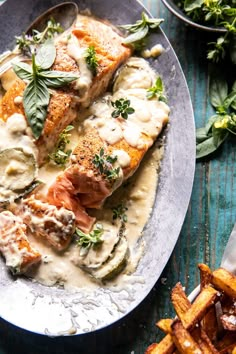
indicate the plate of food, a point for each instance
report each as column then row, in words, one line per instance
column 97, row 162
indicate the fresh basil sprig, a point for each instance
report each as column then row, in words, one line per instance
column 140, row 30
column 36, row 95
column 220, row 125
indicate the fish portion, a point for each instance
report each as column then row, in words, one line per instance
column 105, row 138
column 14, row 244
column 64, row 103
column 57, row 226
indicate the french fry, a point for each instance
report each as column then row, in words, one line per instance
column 165, row 325
column 183, row 340
column 224, row 281
column 200, row 306
column 166, row 346
column 208, row 325
column 205, row 275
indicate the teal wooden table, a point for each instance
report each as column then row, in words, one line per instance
column 208, row 223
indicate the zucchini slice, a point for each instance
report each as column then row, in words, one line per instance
column 18, row 170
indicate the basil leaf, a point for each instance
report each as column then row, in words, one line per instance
column 190, row 5
column 23, row 71
column 56, row 78
column 210, row 123
column 219, row 136
column 35, row 100
column 233, row 104
column 201, row 135
column 46, row 55
column 137, row 36
column 218, row 91
column 230, row 100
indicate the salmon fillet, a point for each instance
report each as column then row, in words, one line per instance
column 57, row 226
column 65, row 103
column 14, row 244
column 87, row 184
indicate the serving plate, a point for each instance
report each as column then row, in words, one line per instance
column 27, row 304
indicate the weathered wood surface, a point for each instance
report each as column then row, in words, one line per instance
column 209, row 220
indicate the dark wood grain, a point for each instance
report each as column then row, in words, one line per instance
column 208, row 223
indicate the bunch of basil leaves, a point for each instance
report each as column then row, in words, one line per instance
column 39, row 79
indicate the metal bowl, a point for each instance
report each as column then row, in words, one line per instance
column 180, row 14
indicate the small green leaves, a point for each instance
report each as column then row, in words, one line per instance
column 27, row 44
column 141, row 29
column 157, row 91
column 123, row 108
column 210, row 137
column 36, row 95
column 91, row 59
column 119, row 212
column 60, row 156
column 104, row 163
column 89, row 240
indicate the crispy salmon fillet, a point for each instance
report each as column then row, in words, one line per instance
column 65, row 103
column 14, row 244
column 57, row 226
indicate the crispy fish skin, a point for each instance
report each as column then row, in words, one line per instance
column 14, row 244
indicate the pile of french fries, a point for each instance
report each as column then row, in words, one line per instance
column 208, row 324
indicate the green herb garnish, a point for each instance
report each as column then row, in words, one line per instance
column 91, row 59
column 220, row 125
column 61, row 155
column 217, row 13
column 140, row 30
column 36, row 95
column 27, row 43
column 104, row 163
column 119, row 212
column 91, row 239
column 157, row 90
column 123, row 108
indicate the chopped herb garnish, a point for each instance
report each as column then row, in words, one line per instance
column 104, row 163
column 36, row 95
column 61, row 155
column 91, row 59
column 91, row 239
column 157, row 91
column 119, row 212
column 140, row 30
column 123, row 108
column 26, row 43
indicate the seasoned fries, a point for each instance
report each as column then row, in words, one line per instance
column 205, row 326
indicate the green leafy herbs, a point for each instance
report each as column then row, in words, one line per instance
column 36, row 95
column 91, row 59
column 221, row 13
column 61, row 154
column 104, row 163
column 140, row 30
column 26, row 44
column 122, row 108
column 157, row 90
column 86, row 241
column 220, row 125
column 119, row 212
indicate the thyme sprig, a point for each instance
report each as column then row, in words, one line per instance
column 91, row 239
column 119, row 212
column 61, row 155
column 91, row 59
column 26, row 44
column 123, row 108
column 104, row 163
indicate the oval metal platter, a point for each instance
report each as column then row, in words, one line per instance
column 24, row 303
